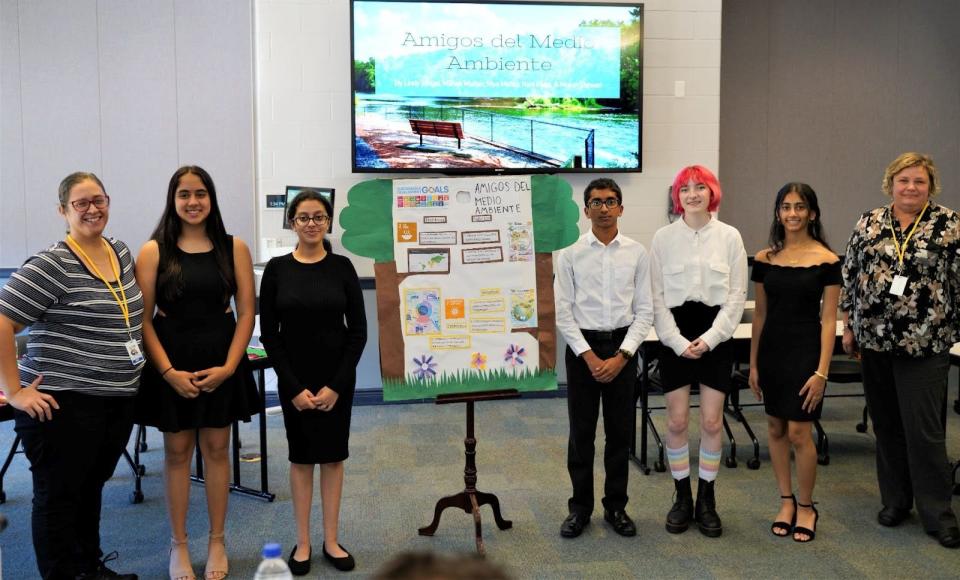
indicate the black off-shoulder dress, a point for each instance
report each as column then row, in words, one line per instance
column 789, row 349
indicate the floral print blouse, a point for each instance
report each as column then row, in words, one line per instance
column 923, row 320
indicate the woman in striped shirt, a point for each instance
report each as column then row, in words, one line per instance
column 74, row 392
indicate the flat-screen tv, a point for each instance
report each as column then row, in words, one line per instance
column 489, row 86
column 293, row 190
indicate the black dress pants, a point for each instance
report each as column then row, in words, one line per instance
column 584, row 395
column 71, row 457
column 906, row 397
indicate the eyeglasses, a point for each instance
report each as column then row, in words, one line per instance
column 317, row 219
column 610, row 202
column 99, row 202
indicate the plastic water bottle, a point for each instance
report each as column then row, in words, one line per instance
column 273, row 567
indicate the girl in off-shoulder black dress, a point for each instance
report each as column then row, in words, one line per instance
column 794, row 331
column 790, row 344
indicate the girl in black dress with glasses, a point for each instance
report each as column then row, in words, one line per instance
column 314, row 330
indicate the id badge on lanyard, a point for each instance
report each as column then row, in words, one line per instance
column 899, row 284
column 134, row 352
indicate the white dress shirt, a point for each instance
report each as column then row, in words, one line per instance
column 603, row 287
column 708, row 265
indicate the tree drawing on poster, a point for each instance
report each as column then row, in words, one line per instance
column 464, row 274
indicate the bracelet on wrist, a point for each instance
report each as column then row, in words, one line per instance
column 170, row 368
column 821, row 375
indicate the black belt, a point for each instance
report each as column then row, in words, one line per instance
column 604, row 334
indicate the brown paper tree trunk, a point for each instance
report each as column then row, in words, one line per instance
column 388, row 313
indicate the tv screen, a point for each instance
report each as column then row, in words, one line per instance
column 496, row 87
column 293, row 190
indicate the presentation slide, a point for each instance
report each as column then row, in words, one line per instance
column 476, row 85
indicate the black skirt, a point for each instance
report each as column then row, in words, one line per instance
column 315, row 436
column 193, row 345
column 713, row 369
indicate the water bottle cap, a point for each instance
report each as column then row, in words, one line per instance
column 272, row 550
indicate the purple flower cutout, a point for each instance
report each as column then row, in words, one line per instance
column 424, row 367
column 514, row 355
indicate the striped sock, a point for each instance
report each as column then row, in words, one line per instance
column 709, row 464
column 679, row 460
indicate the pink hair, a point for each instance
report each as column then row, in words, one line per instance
column 697, row 174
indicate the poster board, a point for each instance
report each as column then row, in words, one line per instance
column 464, row 279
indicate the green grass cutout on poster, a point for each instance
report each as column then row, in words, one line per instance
column 468, row 381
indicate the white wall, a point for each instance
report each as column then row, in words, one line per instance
column 130, row 91
column 303, row 106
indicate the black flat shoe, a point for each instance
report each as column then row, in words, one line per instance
column 811, row 534
column 573, row 525
column 892, row 516
column 949, row 537
column 344, row 564
column 621, row 522
column 785, row 527
column 299, row 567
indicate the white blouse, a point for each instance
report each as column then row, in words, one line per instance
column 708, row 265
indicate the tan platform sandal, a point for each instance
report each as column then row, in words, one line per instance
column 180, row 573
column 214, row 574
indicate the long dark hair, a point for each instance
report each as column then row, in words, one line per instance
column 814, row 226
column 170, row 278
column 307, row 195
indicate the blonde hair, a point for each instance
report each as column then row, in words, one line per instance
column 911, row 159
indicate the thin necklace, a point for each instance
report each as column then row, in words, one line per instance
column 798, row 248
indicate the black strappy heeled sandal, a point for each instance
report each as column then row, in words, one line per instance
column 785, row 526
column 811, row 534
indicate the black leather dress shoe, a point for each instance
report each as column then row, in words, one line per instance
column 104, row 573
column 344, row 564
column 892, row 516
column 621, row 522
column 300, row 567
column 948, row 537
column 573, row 525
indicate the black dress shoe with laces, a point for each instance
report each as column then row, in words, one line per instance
column 104, row 573
column 892, row 516
column 949, row 537
column 621, row 522
column 573, row 525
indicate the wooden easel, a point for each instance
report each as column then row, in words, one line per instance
column 470, row 500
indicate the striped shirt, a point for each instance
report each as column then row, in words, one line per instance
column 77, row 331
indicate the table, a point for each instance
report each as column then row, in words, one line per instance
column 741, row 344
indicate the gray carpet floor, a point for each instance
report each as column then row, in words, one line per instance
column 405, row 457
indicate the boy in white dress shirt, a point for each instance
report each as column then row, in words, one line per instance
column 604, row 311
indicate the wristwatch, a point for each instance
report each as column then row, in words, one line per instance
column 626, row 353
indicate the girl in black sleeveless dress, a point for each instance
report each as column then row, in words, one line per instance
column 198, row 379
column 794, row 331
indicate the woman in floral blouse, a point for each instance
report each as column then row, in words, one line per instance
column 901, row 281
